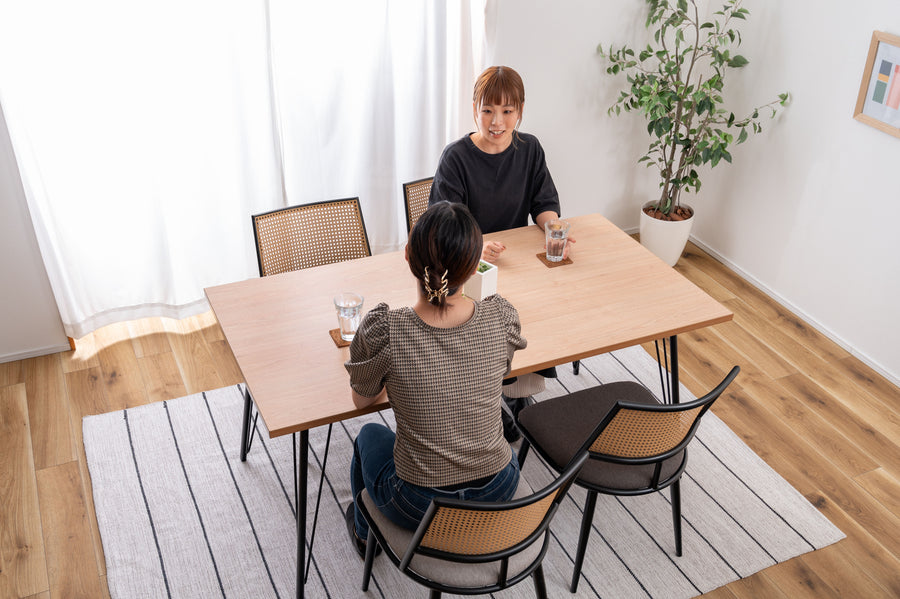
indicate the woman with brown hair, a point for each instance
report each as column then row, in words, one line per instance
column 441, row 363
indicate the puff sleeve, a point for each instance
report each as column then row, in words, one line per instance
column 509, row 316
column 370, row 354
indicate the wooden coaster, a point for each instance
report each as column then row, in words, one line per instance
column 543, row 258
column 336, row 337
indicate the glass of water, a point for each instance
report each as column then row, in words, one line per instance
column 349, row 312
column 557, row 234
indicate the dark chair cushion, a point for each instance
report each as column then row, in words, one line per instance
column 559, row 426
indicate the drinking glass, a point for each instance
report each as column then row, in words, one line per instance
column 349, row 312
column 557, row 234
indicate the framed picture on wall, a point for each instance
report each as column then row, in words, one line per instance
column 878, row 103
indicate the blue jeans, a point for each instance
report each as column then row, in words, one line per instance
column 401, row 502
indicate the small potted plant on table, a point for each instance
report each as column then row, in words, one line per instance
column 483, row 283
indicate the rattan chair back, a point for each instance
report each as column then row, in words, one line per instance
column 641, row 433
column 415, row 197
column 477, row 532
column 473, row 531
column 309, row 235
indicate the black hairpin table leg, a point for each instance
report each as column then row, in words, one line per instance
column 302, row 468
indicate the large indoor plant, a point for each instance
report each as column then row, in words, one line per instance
column 677, row 83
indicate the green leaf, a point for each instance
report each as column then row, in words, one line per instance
column 743, row 136
column 738, row 61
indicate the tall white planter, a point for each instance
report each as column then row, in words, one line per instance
column 665, row 238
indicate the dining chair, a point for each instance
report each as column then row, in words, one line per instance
column 300, row 237
column 295, row 238
column 472, row 547
column 415, row 197
column 636, row 444
column 309, row 235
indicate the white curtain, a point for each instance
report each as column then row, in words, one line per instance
column 147, row 133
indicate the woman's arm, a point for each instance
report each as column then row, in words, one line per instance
column 361, row 401
column 543, row 217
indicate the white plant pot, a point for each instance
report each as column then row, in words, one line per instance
column 482, row 284
column 665, row 238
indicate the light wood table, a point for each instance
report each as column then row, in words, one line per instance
column 614, row 294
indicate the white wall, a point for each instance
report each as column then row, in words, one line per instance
column 805, row 212
column 807, row 209
column 29, row 320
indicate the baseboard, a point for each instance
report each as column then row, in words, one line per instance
column 818, row 326
column 33, row 353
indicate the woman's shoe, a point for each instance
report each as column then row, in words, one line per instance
column 358, row 544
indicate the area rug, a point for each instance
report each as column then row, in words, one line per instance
column 181, row 516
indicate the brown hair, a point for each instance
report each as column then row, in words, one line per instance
column 446, row 242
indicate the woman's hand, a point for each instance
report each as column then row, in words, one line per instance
column 542, row 219
column 570, row 240
column 492, row 251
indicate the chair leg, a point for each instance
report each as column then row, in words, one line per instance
column 576, row 366
column 540, row 587
column 523, row 452
column 676, row 515
column 434, row 594
column 370, row 559
column 586, row 521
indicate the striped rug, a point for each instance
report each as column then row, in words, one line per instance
column 181, row 516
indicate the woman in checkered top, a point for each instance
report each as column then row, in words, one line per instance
column 441, row 364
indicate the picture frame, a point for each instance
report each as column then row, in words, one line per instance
column 878, row 103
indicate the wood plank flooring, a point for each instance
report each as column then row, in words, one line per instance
column 819, row 416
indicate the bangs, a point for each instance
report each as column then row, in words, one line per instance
column 498, row 94
column 500, row 86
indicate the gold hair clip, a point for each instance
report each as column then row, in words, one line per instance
column 431, row 293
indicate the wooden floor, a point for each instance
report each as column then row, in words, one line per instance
column 817, row 415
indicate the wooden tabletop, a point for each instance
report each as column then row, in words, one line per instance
column 614, row 294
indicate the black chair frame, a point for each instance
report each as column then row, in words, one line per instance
column 560, row 486
column 673, row 480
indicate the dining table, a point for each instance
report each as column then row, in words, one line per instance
column 609, row 293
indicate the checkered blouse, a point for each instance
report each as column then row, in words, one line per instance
column 444, row 386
